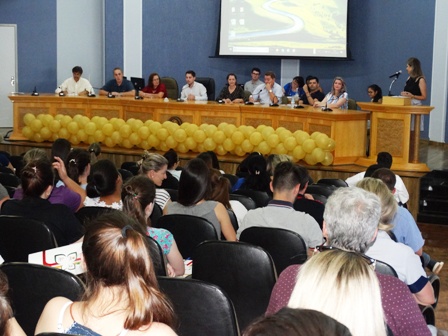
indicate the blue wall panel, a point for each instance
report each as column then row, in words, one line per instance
column 113, row 36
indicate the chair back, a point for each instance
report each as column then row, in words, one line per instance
column 8, row 179
column 333, row 182
column 201, row 308
column 88, row 213
column 157, row 212
column 245, row 272
column 232, row 178
column 428, row 314
column 261, row 198
column 321, row 198
column 125, row 174
column 170, row 182
column 130, row 166
column 157, row 257
column 320, row 189
column 32, row 286
column 233, row 220
column 20, row 236
column 435, row 282
column 285, row 247
column 188, row 231
column 247, row 95
column 174, row 194
column 209, row 84
column 172, row 89
column 384, row 268
column 352, row 104
column 248, row 202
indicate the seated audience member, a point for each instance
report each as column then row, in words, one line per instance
column 118, row 86
column 254, row 82
column 75, row 85
column 5, row 163
column 405, row 228
column 78, row 166
column 337, row 97
column 257, row 178
column 104, row 186
column 122, row 294
column 401, row 257
column 375, row 93
column 194, row 190
column 296, row 322
column 273, row 160
column 312, row 91
column 243, row 168
column 193, row 90
column 4, row 195
column 173, row 163
column 295, row 87
column 61, row 194
column 138, row 195
column 37, row 183
column 305, row 202
column 231, row 93
column 215, row 161
column 280, row 212
column 220, row 193
column 95, row 151
column 268, row 93
column 154, row 167
column 384, row 160
column 351, row 220
column 154, row 89
column 342, row 285
column 8, row 323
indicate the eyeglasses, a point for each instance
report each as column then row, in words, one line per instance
column 321, row 248
column 256, row 73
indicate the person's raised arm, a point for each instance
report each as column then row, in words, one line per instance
column 72, row 185
column 224, row 220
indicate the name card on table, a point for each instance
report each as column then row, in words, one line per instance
column 67, row 258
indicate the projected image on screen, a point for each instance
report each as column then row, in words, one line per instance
column 309, row 28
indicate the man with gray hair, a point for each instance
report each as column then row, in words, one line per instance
column 351, row 220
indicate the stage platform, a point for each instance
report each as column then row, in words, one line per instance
column 229, row 163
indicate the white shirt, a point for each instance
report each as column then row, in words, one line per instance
column 197, row 89
column 251, row 85
column 74, row 88
column 262, row 95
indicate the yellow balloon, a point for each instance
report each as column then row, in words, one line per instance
column 222, row 126
column 99, row 136
column 298, row 153
column 83, row 121
column 267, row 131
column 199, row 136
column 143, row 132
column 136, row 125
column 125, row 131
column 180, row 135
column 37, row 137
column 237, row 137
column 247, row 146
column 74, row 140
column 284, row 134
column 209, row 144
column 162, row 134
column 318, row 154
column 184, row 125
column 219, row 137
column 308, row 145
column 58, row 117
column 36, row 125
column 220, row 150
column 309, row 159
column 134, row 139
column 264, row 148
column 322, row 141
column 260, row 128
column 229, row 129
column 190, row 143
column 273, row 140
column 117, row 124
column 331, row 146
column 82, row 135
column 256, row 138
column 239, row 151
column 210, row 129
column 66, row 119
column 64, row 133
column 54, row 126
column 314, row 135
column 126, row 143
column 280, row 129
column 228, row 145
column 163, row 146
column 200, row 148
column 203, row 126
column 91, row 139
column 27, row 132
column 47, row 119
column 153, row 141
column 90, row 128
column 172, row 127
column 145, row 144
column 28, row 118
column 190, row 129
column 109, row 142
column 116, row 137
column 171, row 142
column 290, row 143
column 182, row 148
column 280, row 149
column 301, row 136
column 73, row 127
column 328, row 160
column 247, row 131
column 148, row 122
column 40, row 116
column 154, row 127
column 108, row 129
column 54, row 137
column 77, row 118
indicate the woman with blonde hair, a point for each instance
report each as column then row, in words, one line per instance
column 343, row 286
column 337, row 97
column 122, row 295
column 401, row 257
column 154, row 166
column 138, row 195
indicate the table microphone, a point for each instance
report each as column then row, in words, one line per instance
column 35, row 93
column 326, row 108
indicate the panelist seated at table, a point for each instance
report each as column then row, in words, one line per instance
column 268, row 93
column 312, row 91
column 193, row 90
column 232, row 92
column 75, row 85
column 337, row 97
column 119, row 86
column 154, row 89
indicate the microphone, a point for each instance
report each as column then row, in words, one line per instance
column 397, row 74
column 326, row 108
column 35, row 93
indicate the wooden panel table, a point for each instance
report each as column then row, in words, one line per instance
column 390, row 131
column 346, row 127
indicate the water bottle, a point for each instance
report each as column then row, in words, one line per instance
column 292, row 102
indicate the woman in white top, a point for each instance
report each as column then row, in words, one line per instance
column 154, row 166
column 337, row 97
column 122, row 295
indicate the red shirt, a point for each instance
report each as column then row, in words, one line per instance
column 160, row 88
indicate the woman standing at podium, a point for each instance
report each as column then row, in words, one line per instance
column 415, row 87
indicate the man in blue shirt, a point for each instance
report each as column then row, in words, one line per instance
column 118, row 86
column 268, row 93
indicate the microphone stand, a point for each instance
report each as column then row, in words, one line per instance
column 392, row 83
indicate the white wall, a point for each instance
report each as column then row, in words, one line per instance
column 8, row 57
